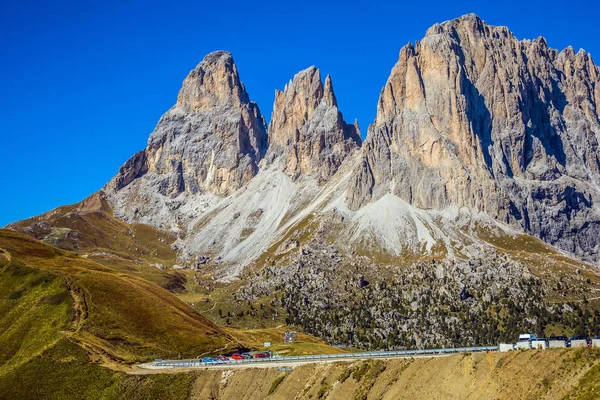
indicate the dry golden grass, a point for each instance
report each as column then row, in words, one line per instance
column 550, row 374
column 129, row 248
column 304, row 344
column 120, row 316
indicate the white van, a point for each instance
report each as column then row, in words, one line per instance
column 525, row 340
column 527, row 336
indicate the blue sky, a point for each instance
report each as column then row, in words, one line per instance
column 83, row 83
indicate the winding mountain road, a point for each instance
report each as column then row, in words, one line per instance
column 293, row 361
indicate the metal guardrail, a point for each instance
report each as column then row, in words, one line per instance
column 342, row 356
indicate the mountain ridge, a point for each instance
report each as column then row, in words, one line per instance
column 452, row 131
column 471, row 116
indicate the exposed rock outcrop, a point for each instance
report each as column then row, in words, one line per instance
column 471, row 116
column 210, row 141
column 307, row 128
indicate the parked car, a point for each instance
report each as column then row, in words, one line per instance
column 577, row 340
column 237, row 356
column 262, row 355
column 247, row 356
column 527, row 336
column 223, row 358
column 208, row 360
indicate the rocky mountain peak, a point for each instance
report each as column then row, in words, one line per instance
column 469, row 23
column 210, row 141
column 294, row 107
column 471, row 116
column 214, row 82
column 307, row 129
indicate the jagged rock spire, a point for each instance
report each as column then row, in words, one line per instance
column 294, row 106
column 308, row 130
column 328, row 94
column 210, row 141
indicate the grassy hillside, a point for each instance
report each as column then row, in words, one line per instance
column 61, row 316
column 63, row 371
column 49, row 294
column 90, row 229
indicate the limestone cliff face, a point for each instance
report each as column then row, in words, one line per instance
column 210, row 141
column 308, row 130
column 471, row 116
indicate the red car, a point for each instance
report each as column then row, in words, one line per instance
column 237, row 356
column 261, row 355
